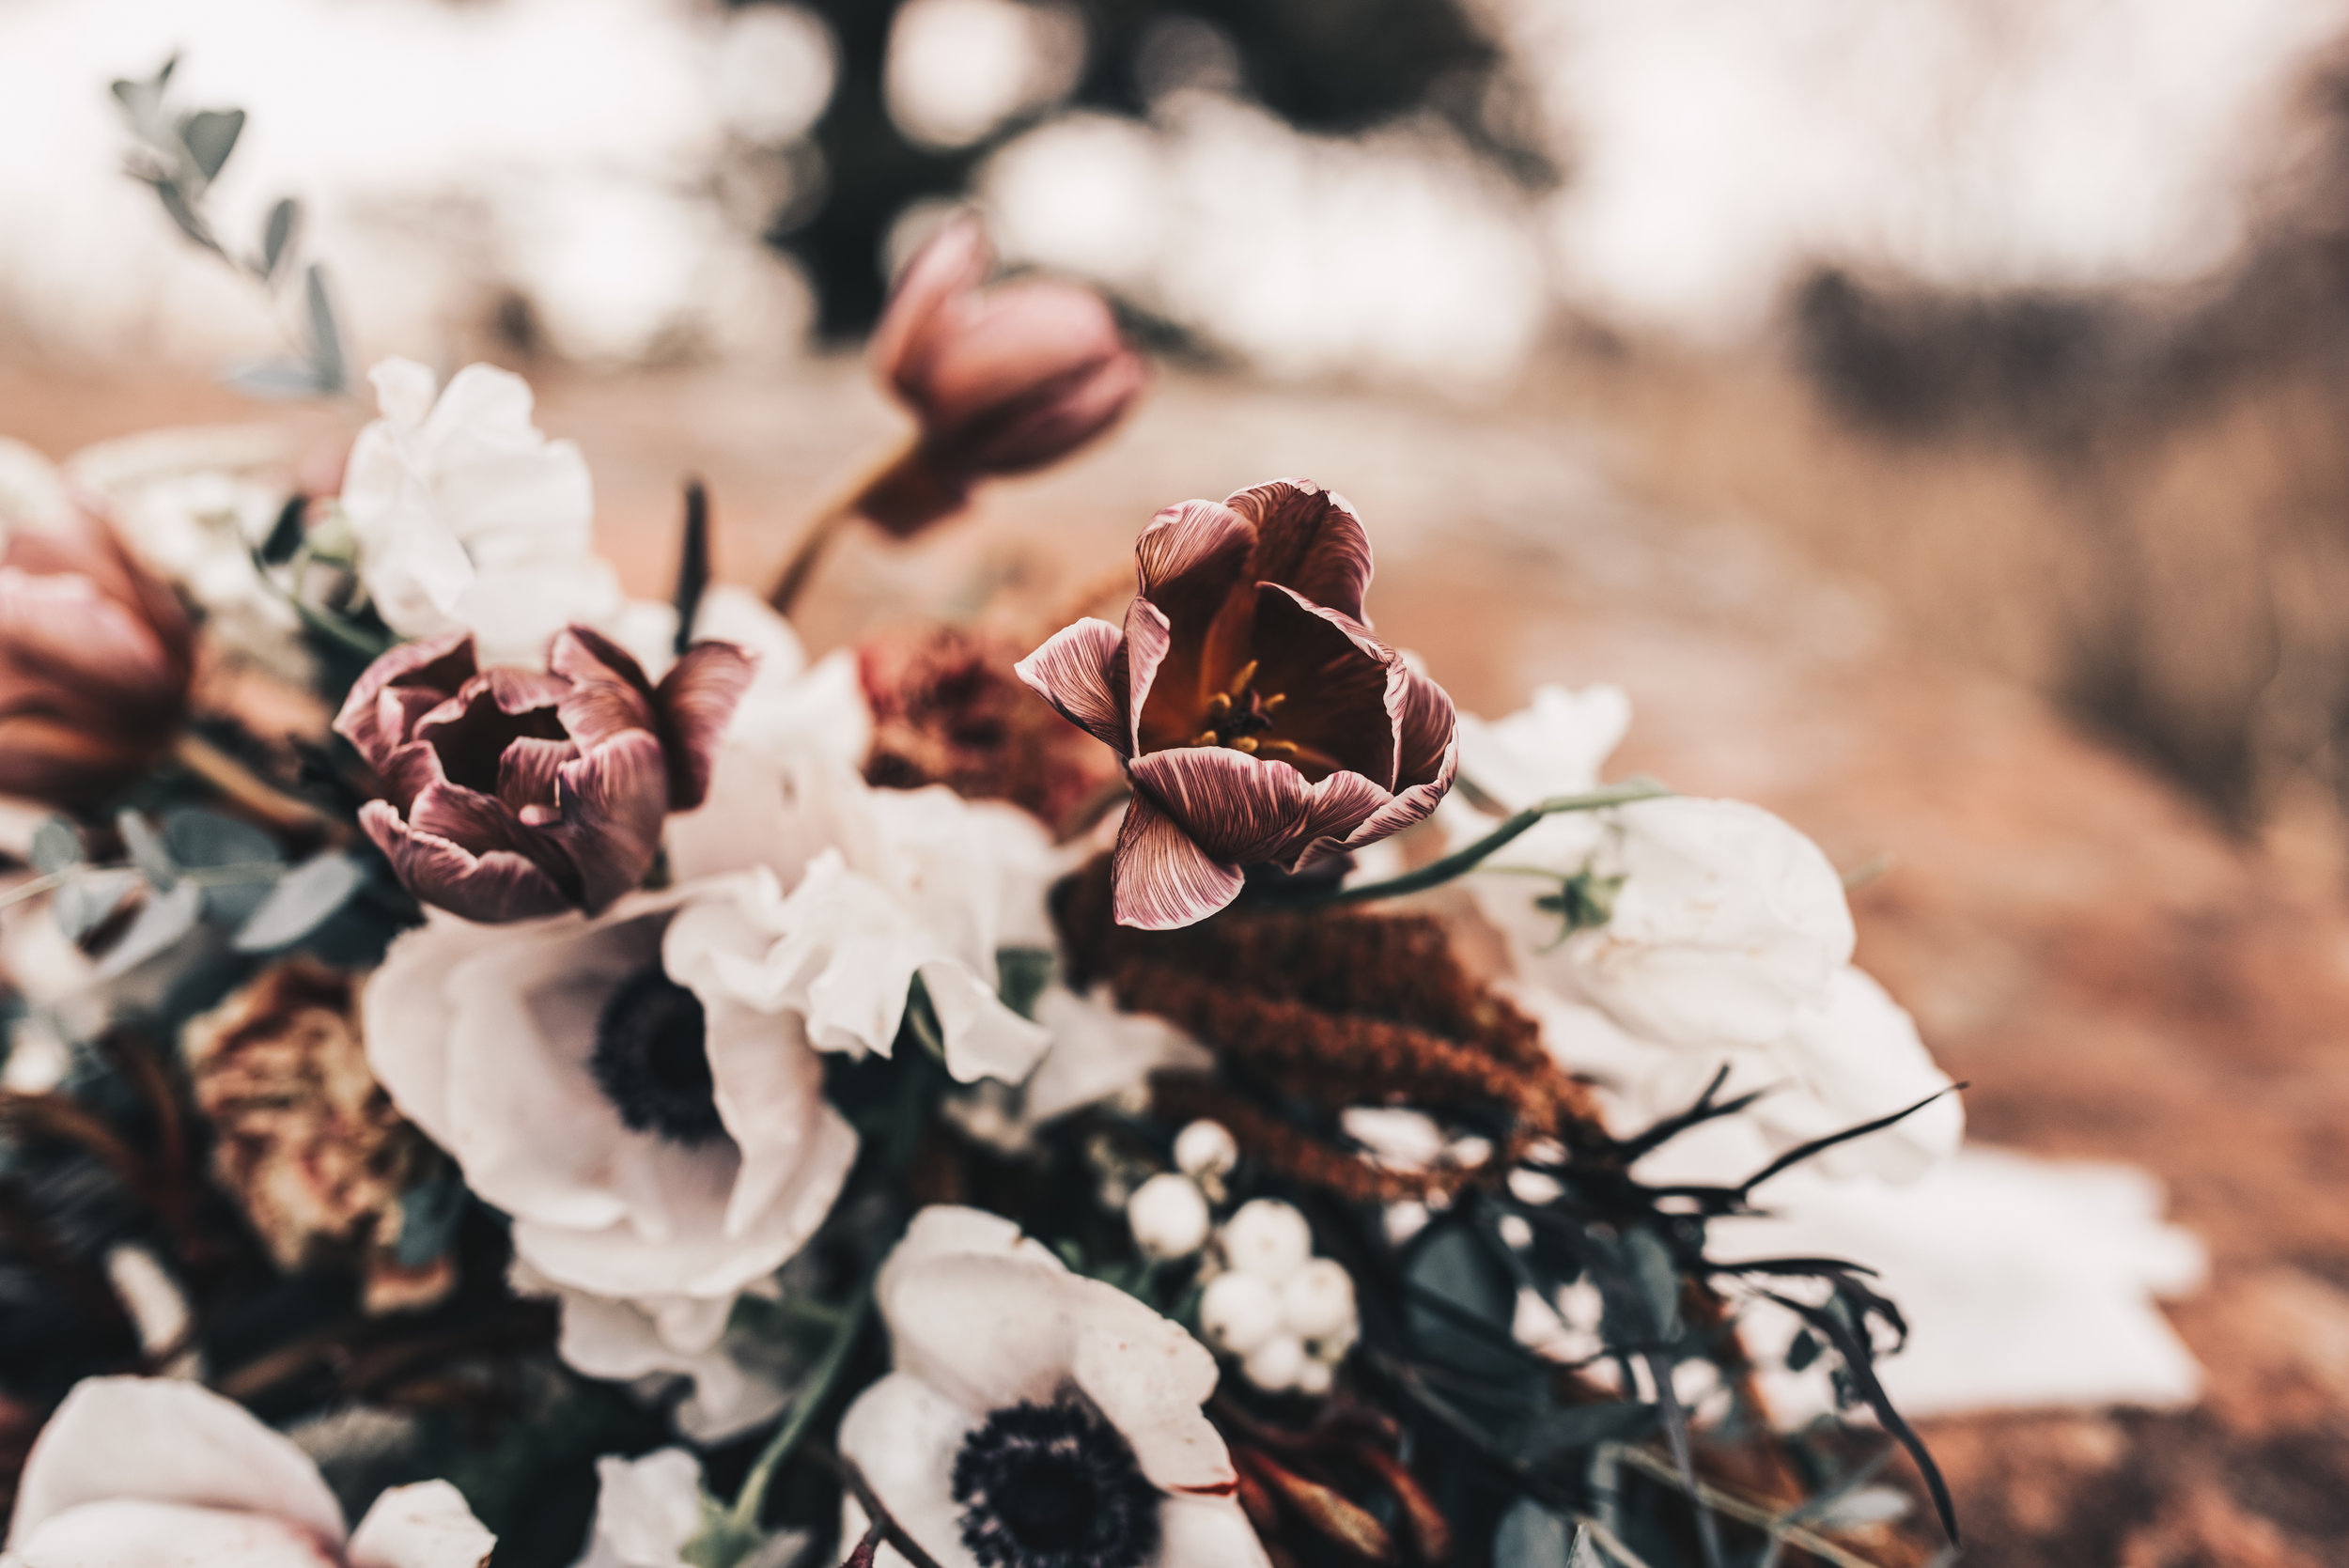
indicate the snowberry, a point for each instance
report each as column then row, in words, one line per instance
column 1267, row 1238
column 1169, row 1216
column 1318, row 1300
column 1206, row 1149
column 1239, row 1312
column 1276, row 1365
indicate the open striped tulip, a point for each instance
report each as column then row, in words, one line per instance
column 1260, row 722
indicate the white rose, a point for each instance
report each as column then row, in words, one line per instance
column 134, row 1471
column 468, row 517
column 1014, row 1375
column 659, row 1138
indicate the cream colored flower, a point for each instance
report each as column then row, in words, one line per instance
column 133, row 1472
column 1036, row 1417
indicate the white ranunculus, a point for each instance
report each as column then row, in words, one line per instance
column 1099, row 1054
column 646, row 1511
column 1004, row 1358
column 132, row 1472
column 884, row 885
column 1554, row 745
column 468, row 517
column 659, row 1137
column 738, row 1380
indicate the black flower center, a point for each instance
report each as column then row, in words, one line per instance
column 1054, row 1486
column 652, row 1059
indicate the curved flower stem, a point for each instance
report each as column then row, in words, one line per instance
column 752, row 1500
column 841, row 509
column 247, row 788
column 1465, row 859
column 884, row 1523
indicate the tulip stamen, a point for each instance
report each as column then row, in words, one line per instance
column 1244, row 743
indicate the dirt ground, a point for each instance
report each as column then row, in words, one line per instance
column 2115, row 977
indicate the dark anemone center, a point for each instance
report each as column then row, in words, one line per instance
column 1053, row 1486
column 652, row 1059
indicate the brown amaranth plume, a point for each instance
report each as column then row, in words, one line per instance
column 1337, row 1007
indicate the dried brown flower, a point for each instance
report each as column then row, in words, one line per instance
column 306, row 1140
column 947, row 709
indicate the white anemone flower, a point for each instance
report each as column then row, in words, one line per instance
column 1036, row 1417
column 132, row 1472
column 468, row 517
column 659, row 1138
column 884, row 885
column 646, row 1511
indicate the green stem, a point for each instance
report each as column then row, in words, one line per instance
column 1437, row 873
column 752, row 1500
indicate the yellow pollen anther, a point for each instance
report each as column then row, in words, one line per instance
column 1244, row 743
column 1275, row 701
column 1278, row 748
column 1247, row 673
column 1204, row 737
column 1217, row 705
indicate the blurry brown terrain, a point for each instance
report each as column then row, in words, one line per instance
column 1853, row 629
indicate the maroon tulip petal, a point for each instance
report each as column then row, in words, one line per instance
column 614, row 799
column 1339, row 682
column 471, row 730
column 1339, row 807
column 1194, row 550
column 491, row 887
column 1142, row 651
column 950, row 266
column 1006, row 344
column 1161, row 879
column 695, row 700
column 1072, row 672
column 482, row 823
column 609, row 693
column 1308, row 539
column 440, row 664
column 527, row 772
column 1072, row 410
column 1238, row 809
column 409, row 772
column 63, row 628
column 1426, row 728
column 1412, row 805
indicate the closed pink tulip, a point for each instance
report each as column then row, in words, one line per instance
column 95, row 660
column 510, row 794
column 1003, row 379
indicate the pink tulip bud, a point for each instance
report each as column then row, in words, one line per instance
column 510, row 794
column 1003, row 379
column 95, row 659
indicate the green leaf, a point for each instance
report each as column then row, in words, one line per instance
column 277, row 235
column 1451, row 1264
column 327, row 360
column 304, row 900
column 211, row 136
column 1574, row 1428
column 56, row 843
column 1531, row 1536
column 1803, row 1351
column 183, row 213
column 89, row 899
column 429, row 1217
column 147, row 850
column 166, row 918
column 1020, row 975
column 1658, row 1279
column 201, row 840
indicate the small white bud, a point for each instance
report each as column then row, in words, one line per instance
column 1405, row 1220
column 1276, row 1365
column 1169, row 1216
column 1331, row 1347
column 1468, row 1153
column 1206, row 1149
column 1315, row 1377
column 1534, row 1187
column 1516, row 1232
column 1269, row 1238
column 1318, row 1299
column 1239, row 1312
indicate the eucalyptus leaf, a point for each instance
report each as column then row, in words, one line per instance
column 1020, row 975
column 1658, row 1279
column 279, row 379
column 211, row 136
column 277, row 235
column 1573, row 1428
column 198, row 839
column 183, row 213
column 1451, row 1264
column 429, row 1217
column 327, row 359
column 147, row 850
column 56, row 843
column 89, row 899
column 1531, row 1536
column 163, row 920
column 304, row 900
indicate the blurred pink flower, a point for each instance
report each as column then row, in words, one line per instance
column 1260, row 721
column 95, row 659
column 509, row 794
column 1003, row 379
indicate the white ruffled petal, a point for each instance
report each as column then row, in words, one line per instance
column 424, row 1525
column 646, row 1510
column 136, row 1533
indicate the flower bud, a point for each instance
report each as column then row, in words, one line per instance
column 1267, row 1238
column 1206, row 1149
column 95, row 659
column 1169, row 1216
column 1239, row 1312
column 1003, row 379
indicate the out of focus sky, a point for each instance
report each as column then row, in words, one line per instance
column 614, row 165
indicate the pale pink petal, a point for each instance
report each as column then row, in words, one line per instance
column 427, row 1524
column 1064, row 415
column 1161, row 879
column 609, row 692
column 1427, row 727
column 128, row 1533
column 1339, row 804
column 1411, row 805
column 951, row 265
column 1148, row 637
column 903, row 1436
column 1149, row 1378
column 1071, row 671
column 166, row 1441
column 1308, row 539
column 497, row 886
column 695, row 700
column 1008, row 344
column 1237, row 808
column 527, row 771
column 1201, row 546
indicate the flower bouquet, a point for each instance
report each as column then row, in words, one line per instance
column 528, row 1067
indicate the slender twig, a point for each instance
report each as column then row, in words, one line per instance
column 842, row 508
column 38, row 886
column 1436, row 873
column 1779, row 1525
column 752, row 1500
column 875, row 1510
column 247, row 788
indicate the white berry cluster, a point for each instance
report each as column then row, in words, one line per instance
column 1285, row 1315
